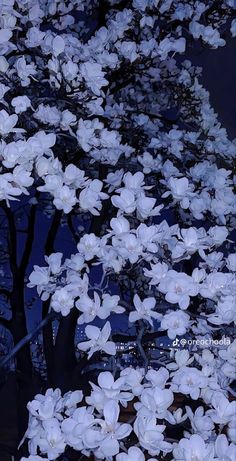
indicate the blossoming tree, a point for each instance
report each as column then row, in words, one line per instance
column 104, row 122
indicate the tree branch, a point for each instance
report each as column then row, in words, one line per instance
column 27, row 339
column 12, row 238
column 71, row 227
column 119, row 338
column 29, row 241
column 49, row 245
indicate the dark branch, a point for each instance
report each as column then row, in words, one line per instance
column 29, row 337
column 29, row 240
column 72, row 229
column 12, row 238
column 49, row 245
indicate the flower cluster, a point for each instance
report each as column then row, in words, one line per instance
column 92, row 424
column 111, row 127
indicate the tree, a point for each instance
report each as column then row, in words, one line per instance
column 107, row 130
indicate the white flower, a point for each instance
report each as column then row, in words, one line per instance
column 65, row 199
column 146, row 207
column 53, row 183
column 191, row 242
column 58, row 45
column 3, row 64
column 11, row 154
column 76, row 262
column 134, row 454
column 89, row 308
column 7, row 190
column 224, row 450
column 154, row 402
column 148, row 237
column 166, row 45
column 225, row 311
column 134, row 182
column 111, row 430
column 233, row 28
column 194, row 449
column 223, row 410
column 207, row 33
column 76, row 426
column 195, row 29
column 215, row 284
column 34, row 37
column 67, row 119
column 109, row 304
column 128, row 50
column 90, row 198
column 62, row 301
column 176, row 323
column 199, row 205
column 140, row 5
column 24, row 70
column 44, row 406
column 178, row 287
column 182, row 359
column 88, row 246
column 212, row 36
column 231, row 262
column 53, row 441
column 5, row 35
column 128, row 246
column 54, row 262
column 212, row 260
column 189, row 381
column 7, row 123
column 120, row 225
column 86, row 133
column 158, row 378
column 93, row 76
column 218, row 234
column 229, row 354
column 133, row 380
column 181, row 190
column 150, row 435
column 231, row 431
column 149, row 163
column 108, row 389
column 198, row 275
column 20, row 104
column 22, row 178
column 40, row 277
column 70, row 70
column 3, row 90
column 98, row 340
column 125, row 201
column 114, row 179
column 71, row 399
column 47, row 114
column 144, row 310
column 157, row 273
column 177, row 417
column 201, row 424
column 74, row 176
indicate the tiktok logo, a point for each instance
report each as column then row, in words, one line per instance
column 175, row 342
